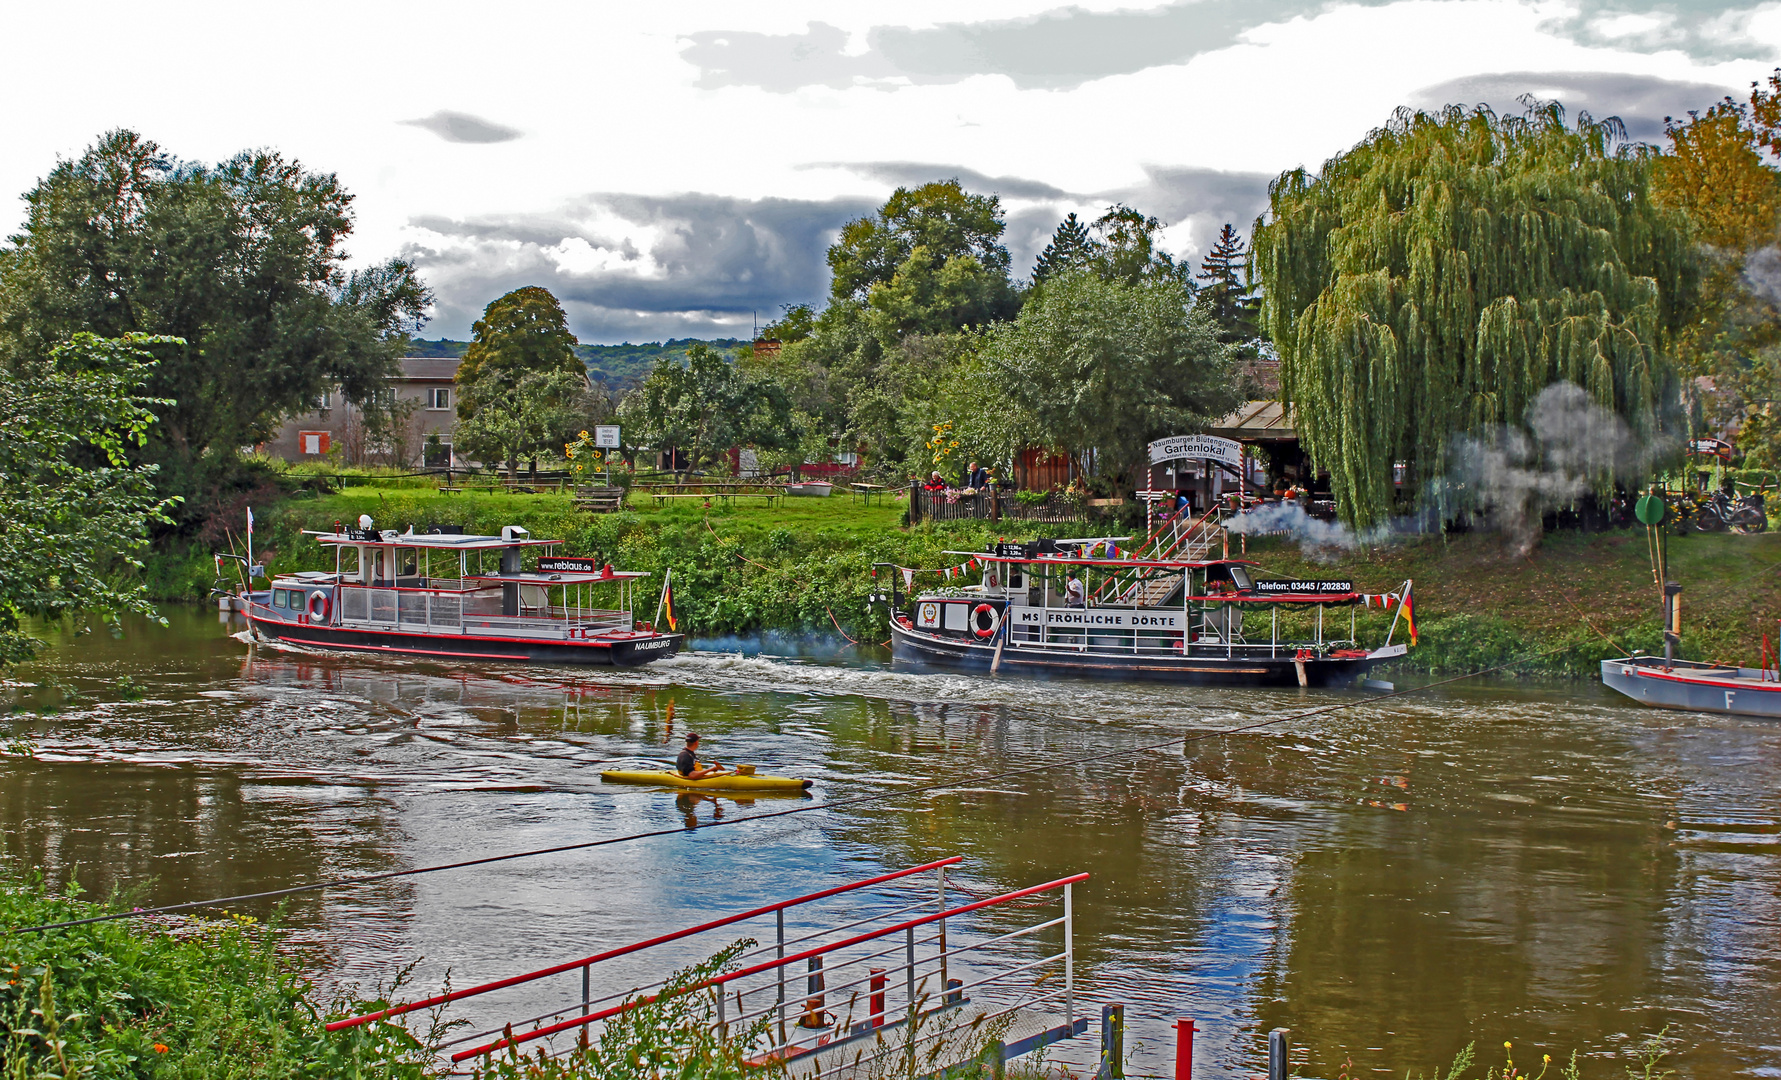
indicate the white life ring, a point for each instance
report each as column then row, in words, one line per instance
column 318, row 607
column 977, row 627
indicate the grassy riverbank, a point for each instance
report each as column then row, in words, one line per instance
column 804, row 567
column 169, row 998
column 1579, row 597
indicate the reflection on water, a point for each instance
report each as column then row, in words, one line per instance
column 1533, row 863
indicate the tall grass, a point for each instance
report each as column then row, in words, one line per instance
column 186, row 999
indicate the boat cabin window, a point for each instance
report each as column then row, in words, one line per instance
column 278, row 598
column 1240, row 575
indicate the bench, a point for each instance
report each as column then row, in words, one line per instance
column 600, row 500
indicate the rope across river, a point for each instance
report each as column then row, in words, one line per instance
column 854, row 800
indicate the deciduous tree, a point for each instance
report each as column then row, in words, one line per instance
column 526, row 414
column 1108, row 366
column 74, row 509
column 706, row 406
column 239, row 266
column 524, row 332
column 1438, row 276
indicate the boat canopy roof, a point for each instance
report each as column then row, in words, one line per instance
column 1079, row 560
column 532, row 577
column 443, row 541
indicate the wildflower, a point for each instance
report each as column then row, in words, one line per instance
column 160, row 1048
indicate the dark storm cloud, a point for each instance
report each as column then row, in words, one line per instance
column 1641, row 101
column 1068, row 46
column 913, row 173
column 714, row 262
column 1202, row 200
column 1055, row 50
column 463, row 128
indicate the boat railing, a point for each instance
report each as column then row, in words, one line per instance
column 541, row 625
column 456, row 611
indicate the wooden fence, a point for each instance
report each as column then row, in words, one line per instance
column 956, row 506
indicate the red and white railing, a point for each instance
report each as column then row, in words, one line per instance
column 873, row 984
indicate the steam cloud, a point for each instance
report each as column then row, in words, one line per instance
column 1515, row 477
column 1762, row 273
column 1512, row 477
column 1319, row 540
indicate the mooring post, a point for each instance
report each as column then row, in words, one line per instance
column 1277, row 1054
column 875, row 987
column 1184, row 1048
column 909, row 967
column 781, row 973
column 1112, row 1043
column 814, row 1000
column 995, row 1060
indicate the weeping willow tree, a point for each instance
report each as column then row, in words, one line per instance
column 1433, row 280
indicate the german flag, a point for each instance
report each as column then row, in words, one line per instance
column 668, row 606
column 1409, row 614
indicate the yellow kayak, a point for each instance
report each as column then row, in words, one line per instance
column 726, row 782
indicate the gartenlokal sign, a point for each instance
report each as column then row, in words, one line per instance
column 1197, row 447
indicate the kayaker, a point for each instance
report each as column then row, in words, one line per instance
column 687, row 764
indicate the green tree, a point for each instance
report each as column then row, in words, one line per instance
column 797, row 322
column 74, row 509
column 1435, row 278
column 1106, row 366
column 1070, row 246
column 522, row 416
column 238, row 267
column 706, row 406
column 1720, row 171
column 941, row 218
column 1125, row 247
column 1227, row 296
column 927, row 265
column 524, row 332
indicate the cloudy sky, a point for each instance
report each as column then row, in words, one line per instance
column 673, row 169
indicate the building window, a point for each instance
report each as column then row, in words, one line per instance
column 324, row 400
column 441, row 398
column 436, row 451
column 384, row 396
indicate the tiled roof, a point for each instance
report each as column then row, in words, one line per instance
column 430, row 368
column 1256, row 420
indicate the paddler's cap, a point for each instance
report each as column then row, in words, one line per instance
column 692, row 737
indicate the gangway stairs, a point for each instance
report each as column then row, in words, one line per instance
column 1176, row 540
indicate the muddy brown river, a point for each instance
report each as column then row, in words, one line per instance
column 1495, row 861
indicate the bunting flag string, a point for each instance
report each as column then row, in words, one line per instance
column 947, row 572
column 1397, row 599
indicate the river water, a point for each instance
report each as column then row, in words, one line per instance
column 1490, row 861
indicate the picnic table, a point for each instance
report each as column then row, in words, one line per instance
column 865, row 493
column 770, row 497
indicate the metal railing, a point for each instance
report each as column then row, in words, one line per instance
column 874, row 984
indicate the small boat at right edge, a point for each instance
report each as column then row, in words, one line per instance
column 1665, row 682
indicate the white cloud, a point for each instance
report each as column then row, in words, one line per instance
column 607, row 104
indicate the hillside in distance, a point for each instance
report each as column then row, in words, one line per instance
column 615, row 365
